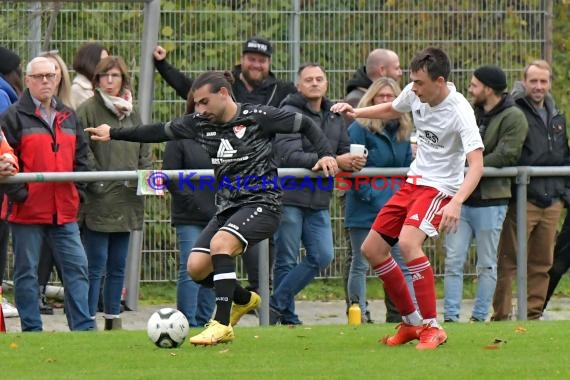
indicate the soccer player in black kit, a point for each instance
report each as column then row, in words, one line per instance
column 238, row 139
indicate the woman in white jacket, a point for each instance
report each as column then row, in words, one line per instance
column 86, row 59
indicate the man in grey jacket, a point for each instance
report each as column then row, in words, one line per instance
column 306, row 215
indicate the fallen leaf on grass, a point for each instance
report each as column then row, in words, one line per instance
column 497, row 343
column 224, row 351
column 13, row 345
column 520, row 330
column 173, row 354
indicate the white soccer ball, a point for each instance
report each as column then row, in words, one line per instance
column 167, row 328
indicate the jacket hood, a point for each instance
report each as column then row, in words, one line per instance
column 482, row 117
column 359, row 79
column 8, row 89
column 298, row 101
column 518, row 90
column 519, row 95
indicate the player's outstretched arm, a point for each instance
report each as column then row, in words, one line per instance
column 327, row 163
column 99, row 133
column 378, row 111
column 147, row 133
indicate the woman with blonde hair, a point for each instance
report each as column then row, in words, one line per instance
column 63, row 90
column 388, row 145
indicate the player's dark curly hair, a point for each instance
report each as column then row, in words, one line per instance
column 216, row 80
column 433, row 61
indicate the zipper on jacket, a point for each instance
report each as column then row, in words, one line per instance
column 272, row 95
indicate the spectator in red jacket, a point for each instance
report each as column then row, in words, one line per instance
column 46, row 137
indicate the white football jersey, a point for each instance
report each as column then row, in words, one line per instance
column 446, row 133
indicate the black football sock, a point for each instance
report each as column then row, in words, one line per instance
column 241, row 296
column 224, row 286
column 208, row 281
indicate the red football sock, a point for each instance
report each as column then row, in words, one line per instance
column 424, row 286
column 395, row 285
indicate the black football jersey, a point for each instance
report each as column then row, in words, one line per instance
column 240, row 150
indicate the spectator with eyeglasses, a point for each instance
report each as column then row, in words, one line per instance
column 47, row 259
column 112, row 208
column 388, row 145
column 47, row 137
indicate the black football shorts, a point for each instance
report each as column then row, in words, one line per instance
column 249, row 224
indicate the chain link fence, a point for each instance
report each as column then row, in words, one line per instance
column 207, row 34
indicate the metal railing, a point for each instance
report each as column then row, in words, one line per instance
column 522, row 175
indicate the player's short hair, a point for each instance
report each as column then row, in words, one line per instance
column 433, row 61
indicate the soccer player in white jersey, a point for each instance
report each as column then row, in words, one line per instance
column 447, row 133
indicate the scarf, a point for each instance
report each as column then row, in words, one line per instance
column 121, row 106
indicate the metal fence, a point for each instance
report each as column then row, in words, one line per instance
column 207, row 34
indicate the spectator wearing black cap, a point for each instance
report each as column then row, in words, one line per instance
column 546, row 144
column 253, row 80
column 503, row 129
column 253, row 83
column 10, row 91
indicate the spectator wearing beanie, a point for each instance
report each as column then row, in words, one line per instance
column 10, row 78
column 10, row 91
column 492, row 76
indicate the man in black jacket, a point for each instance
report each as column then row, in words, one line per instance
column 253, row 82
column 306, row 208
column 380, row 63
column 546, row 145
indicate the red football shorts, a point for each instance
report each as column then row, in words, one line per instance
column 413, row 205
